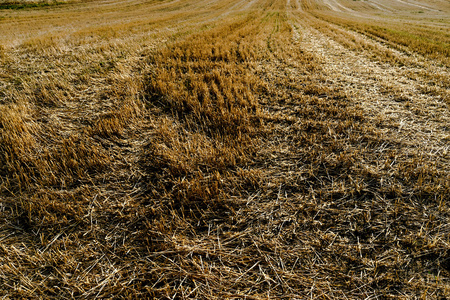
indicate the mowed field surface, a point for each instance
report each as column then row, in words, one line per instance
column 225, row 149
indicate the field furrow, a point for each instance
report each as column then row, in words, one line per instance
column 396, row 98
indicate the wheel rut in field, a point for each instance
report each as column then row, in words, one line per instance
column 400, row 104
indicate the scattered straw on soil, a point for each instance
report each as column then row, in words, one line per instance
column 220, row 150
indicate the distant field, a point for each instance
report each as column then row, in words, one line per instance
column 225, row 149
column 30, row 4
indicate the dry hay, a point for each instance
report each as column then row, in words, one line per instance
column 219, row 150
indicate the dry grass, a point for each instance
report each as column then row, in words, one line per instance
column 219, row 150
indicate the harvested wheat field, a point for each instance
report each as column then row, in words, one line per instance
column 225, row 149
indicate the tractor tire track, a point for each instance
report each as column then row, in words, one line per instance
column 407, row 113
